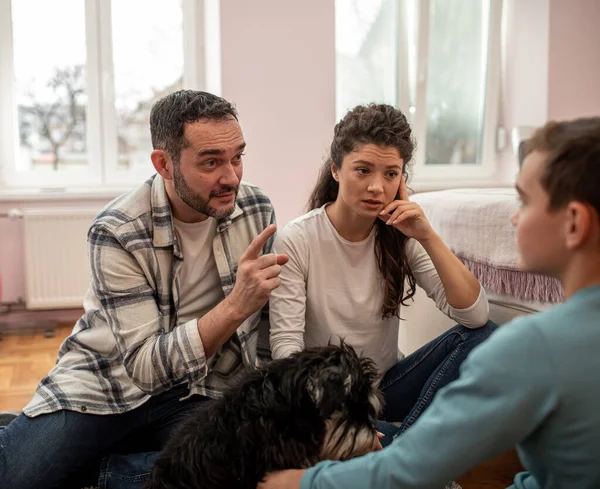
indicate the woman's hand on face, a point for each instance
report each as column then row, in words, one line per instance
column 407, row 217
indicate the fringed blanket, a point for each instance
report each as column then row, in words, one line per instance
column 475, row 224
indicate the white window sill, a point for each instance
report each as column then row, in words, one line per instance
column 59, row 194
column 433, row 185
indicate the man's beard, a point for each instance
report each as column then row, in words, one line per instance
column 199, row 203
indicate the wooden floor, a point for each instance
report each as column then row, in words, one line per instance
column 497, row 473
column 25, row 359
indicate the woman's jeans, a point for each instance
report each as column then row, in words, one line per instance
column 408, row 388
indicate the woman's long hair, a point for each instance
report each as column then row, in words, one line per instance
column 384, row 126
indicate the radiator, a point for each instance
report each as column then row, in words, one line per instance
column 57, row 270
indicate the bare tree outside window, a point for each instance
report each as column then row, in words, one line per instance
column 147, row 64
column 51, row 91
column 77, row 103
column 55, row 128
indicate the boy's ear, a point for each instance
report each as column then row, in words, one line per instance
column 579, row 221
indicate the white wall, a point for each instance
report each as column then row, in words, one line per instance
column 278, row 61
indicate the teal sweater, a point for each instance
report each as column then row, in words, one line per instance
column 534, row 383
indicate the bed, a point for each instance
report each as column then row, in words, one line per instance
column 475, row 224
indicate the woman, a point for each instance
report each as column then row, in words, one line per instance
column 356, row 257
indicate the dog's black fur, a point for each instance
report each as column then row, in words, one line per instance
column 291, row 413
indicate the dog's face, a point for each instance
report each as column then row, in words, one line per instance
column 318, row 404
column 344, row 389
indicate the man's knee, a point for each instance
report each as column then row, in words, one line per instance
column 24, row 456
column 50, row 449
column 126, row 471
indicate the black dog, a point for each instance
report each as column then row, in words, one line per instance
column 319, row 404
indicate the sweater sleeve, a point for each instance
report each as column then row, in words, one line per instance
column 428, row 279
column 287, row 305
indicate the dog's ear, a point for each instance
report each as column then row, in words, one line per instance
column 328, row 388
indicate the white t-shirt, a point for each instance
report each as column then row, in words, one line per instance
column 199, row 283
column 332, row 288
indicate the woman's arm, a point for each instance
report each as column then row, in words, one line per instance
column 428, row 277
column 437, row 265
column 460, row 285
column 287, row 305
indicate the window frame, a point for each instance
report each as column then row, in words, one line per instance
column 198, row 34
column 450, row 174
column 412, row 22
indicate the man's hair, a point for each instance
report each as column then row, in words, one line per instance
column 170, row 114
column 572, row 170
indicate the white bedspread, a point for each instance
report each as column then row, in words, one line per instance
column 475, row 224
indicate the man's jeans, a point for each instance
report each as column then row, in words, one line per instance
column 64, row 449
column 408, row 388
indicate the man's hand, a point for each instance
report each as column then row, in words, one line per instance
column 284, row 479
column 257, row 276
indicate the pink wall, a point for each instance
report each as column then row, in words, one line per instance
column 12, row 265
column 574, row 64
column 278, row 62
column 525, row 62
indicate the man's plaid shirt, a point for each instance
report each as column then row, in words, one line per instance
column 128, row 345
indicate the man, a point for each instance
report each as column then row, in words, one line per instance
column 535, row 382
column 181, row 269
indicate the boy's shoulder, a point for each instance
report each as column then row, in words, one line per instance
column 559, row 328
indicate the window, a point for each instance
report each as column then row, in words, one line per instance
column 147, row 64
column 366, row 34
column 438, row 61
column 81, row 77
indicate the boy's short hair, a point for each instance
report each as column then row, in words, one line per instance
column 572, row 169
